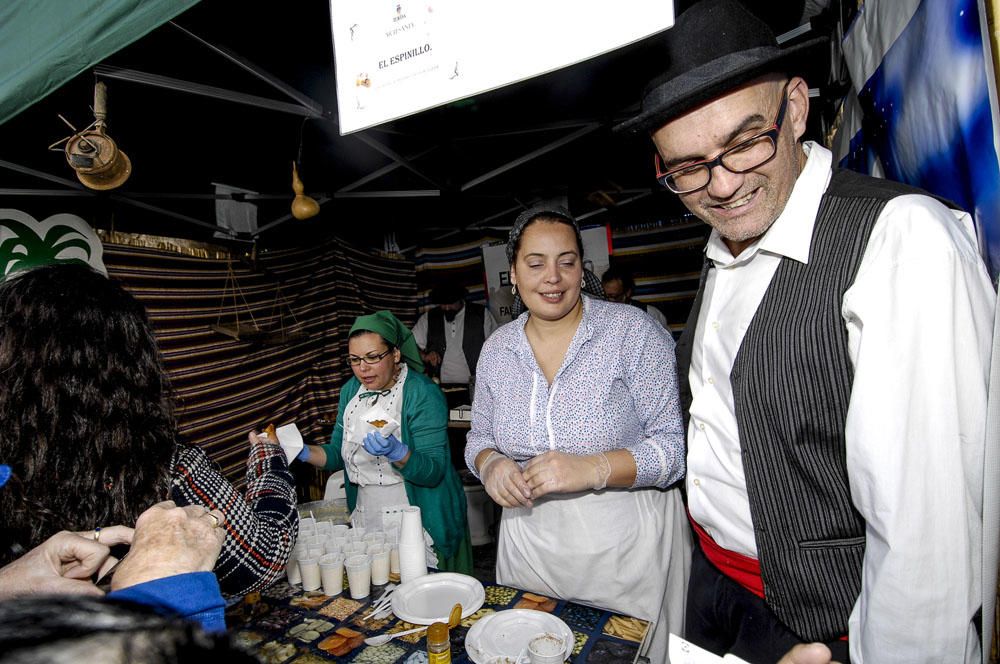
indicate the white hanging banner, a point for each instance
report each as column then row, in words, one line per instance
column 397, row 57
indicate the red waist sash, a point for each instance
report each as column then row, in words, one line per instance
column 741, row 569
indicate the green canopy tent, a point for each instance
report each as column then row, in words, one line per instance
column 47, row 42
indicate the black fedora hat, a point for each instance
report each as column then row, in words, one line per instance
column 714, row 47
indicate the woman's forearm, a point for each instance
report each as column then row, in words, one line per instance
column 623, row 468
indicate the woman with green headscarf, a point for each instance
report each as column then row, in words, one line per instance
column 411, row 466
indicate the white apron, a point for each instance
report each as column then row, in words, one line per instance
column 624, row 550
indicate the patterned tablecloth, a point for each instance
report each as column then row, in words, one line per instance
column 285, row 624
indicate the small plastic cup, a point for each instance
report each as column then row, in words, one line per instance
column 333, row 545
column 380, row 563
column 331, row 572
column 324, row 528
column 377, row 537
column 546, row 648
column 359, row 575
column 292, row 567
column 309, row 568
column 394, row 560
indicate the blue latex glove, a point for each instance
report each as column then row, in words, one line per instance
column 303, row 454
column 391, row 448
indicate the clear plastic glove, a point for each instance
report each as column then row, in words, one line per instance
column 559, row 472
column 504, row 482
column 390, row 447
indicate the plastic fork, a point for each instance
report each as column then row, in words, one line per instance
column 382, row 639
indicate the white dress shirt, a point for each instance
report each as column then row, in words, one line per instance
column 454, row 367
column 919, row 321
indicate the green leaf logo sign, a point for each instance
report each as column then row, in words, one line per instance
column 26, row 243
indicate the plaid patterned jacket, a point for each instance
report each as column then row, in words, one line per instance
column 261, row 526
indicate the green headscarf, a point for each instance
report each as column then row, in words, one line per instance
column 393, row 331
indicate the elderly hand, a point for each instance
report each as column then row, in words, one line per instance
column 171, row 540
column 62, row 564
column 390, row 447
column 504, row 482
column 808, row 653
column 559, row 472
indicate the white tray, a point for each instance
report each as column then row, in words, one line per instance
column 430, row 598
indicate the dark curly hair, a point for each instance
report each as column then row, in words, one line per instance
column 76, row 629
column 87, row 424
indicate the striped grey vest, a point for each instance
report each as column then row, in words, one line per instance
column 791, row 384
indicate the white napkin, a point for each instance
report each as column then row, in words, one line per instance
column 378, row 413
column 290, row 440
column 685, row 652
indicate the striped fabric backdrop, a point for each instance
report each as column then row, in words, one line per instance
column 224, row 387
column 460, row 263
column 665, row 256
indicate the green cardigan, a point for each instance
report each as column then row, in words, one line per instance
column 429, row 478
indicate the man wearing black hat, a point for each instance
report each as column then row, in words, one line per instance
column 835, row 365
column 452, row 333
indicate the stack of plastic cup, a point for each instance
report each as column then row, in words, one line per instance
column 412, row 555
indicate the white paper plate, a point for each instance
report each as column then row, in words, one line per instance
column 506, row 634
column 430, row 598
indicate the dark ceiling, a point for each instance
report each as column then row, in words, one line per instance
column 467, row 165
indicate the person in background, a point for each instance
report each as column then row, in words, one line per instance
column 411, row 467
column 577, row 434
column 452, row 334
column 837, row 359
column 168, row 567
column 90, row 435
column 619, row 285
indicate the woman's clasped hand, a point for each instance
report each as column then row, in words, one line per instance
column 560, row 472
column 551, row 472
column 504, row 481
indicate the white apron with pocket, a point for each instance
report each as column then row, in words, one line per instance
column 624, row 550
